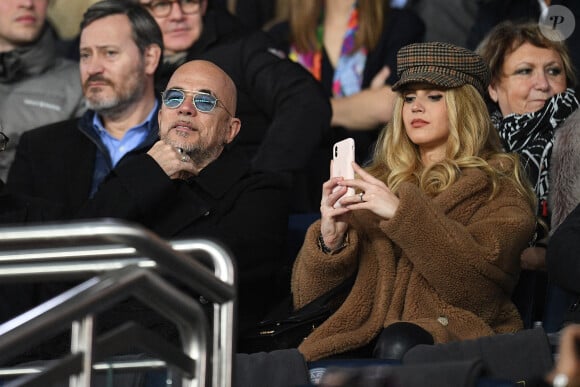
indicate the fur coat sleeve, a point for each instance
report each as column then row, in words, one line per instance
column 448, row 264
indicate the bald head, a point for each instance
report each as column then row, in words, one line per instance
column 201, row 131
column 204, row 75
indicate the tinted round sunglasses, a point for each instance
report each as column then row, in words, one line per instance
column 203, row 102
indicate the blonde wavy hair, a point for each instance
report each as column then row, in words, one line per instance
column 473, row 143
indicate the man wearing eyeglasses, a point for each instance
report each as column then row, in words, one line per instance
column 36, row 86
column 285, row 113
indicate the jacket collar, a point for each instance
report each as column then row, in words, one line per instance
column 214, row 182
column 28, row 60
column 219, row 176
column 86, row 127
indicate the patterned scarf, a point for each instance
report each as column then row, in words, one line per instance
column 347, row 78
column 531, row 136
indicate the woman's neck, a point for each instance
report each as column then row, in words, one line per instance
column 338, row 8
column 431, row 156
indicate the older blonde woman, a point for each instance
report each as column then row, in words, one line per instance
column 536, row 113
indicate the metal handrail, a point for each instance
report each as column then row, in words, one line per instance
column 146, row 243
column 97, row 295
column 29, row 252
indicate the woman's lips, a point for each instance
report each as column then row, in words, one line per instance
column 418, row 123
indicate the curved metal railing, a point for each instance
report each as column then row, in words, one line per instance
column 75, row 249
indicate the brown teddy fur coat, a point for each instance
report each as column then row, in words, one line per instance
column 448, row 264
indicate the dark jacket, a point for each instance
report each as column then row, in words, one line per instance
column 56, row 162
column 246, row 211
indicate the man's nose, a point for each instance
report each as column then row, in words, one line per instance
column 187, row 107
column 176, row 11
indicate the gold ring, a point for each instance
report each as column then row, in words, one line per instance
column 360, row 195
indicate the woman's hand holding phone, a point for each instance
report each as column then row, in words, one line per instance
column 334, row 224
column 342, row 159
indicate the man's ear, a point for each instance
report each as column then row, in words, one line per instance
column 234, row 128
column 151, row 57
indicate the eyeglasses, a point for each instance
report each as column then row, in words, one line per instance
column 3, row 141
column 203, row 102
column 163, row 8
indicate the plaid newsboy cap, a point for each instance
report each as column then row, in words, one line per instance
column 441, row 64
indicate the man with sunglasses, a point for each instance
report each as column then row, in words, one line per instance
column 285, row 113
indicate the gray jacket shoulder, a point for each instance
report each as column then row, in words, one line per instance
column 52, row 96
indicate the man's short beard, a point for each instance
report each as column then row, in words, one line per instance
column 197, row 153
column 108, row 107
column 201, row 156
column 120, row 102
column 117, row 105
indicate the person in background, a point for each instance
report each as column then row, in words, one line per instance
column 350, row 48
column 120, row 49
column 435, row 228
column 285, row 112
column 535, row 110
column 490, row 13
column 36, row 86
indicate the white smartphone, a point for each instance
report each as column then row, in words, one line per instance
column 342, row 158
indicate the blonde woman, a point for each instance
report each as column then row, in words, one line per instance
column 436, row 227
